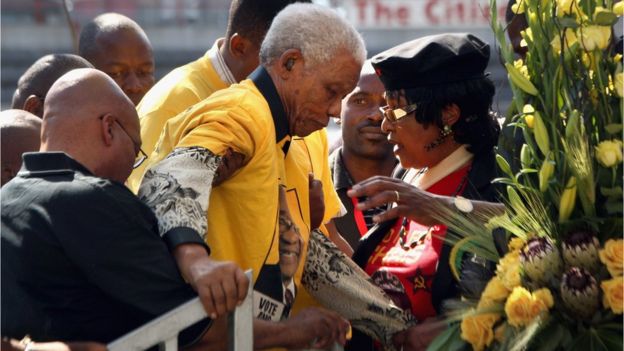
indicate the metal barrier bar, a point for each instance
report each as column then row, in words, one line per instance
column 163, row 331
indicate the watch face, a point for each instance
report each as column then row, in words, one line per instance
column 463, row 204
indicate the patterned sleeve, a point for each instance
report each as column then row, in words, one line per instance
column 339, row 284
column 178, row 190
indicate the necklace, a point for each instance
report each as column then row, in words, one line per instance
column 417, row 238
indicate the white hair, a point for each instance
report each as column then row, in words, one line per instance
column 317, row 31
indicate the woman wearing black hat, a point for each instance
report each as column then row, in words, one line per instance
column 438, row 117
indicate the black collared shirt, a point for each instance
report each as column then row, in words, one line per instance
column 265, row 85
column 81, row 257
column 347, row 225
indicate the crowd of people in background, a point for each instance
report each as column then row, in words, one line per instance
column 123, row 197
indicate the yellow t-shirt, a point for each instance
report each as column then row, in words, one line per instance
column 180, row 89
column 189, row 85
column 242, row 216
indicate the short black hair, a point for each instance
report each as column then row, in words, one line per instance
column 252, row 18
column 39, row 77
column 477, row 125
column 107, row 22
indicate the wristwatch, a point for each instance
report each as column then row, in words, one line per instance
column 462, row 204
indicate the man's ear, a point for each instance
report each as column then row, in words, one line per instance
column 34, row 105
column 451, row 114
column 239, row 46
column 289, row 62
column 106, row 128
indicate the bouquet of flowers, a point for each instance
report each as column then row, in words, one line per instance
column 560, row 284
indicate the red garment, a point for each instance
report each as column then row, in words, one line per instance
column 406, row 270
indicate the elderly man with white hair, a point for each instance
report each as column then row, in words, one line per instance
column 217, row 175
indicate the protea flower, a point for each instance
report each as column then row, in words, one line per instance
column 540, row 260
column 580, row 292
column 580, row 249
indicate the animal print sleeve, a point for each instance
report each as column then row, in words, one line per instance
column 178, row 190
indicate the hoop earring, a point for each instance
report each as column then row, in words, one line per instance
column 444, row 133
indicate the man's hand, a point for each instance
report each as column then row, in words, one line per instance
column 314, row 328
column 317, row 201
column 221, row 285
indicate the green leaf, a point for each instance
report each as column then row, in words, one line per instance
column 614, row 207
column 446, row 339
column 612, row 340
column 605, row 18
column 504, row 166
column 503, row 181
column 617, row 191
column 568, row 22
column 613, row 128
column 572, row 127
column 551, row 337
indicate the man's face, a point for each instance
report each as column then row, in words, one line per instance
column 314, row 94
column 127, row 123
column 126, row 56
column 361, row 119
column 290, row 246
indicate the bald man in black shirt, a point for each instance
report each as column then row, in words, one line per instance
column 81, row 255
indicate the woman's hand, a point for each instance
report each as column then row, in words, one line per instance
column 411, row 202
column 419, row 336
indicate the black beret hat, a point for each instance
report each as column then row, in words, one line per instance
column 432, row 60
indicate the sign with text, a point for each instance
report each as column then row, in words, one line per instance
column 399, row 14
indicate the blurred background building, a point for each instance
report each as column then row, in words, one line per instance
column 182, row 30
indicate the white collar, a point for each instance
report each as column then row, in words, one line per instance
column 290, row 286
column 456, row 160
column 219, row 63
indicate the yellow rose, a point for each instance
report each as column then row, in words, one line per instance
column 542, row 301
column 619, row 84
column 613, row 256
column 495, row 291
column 594, row 37
column 569, row 40
column 609, row 152
column 522, row 307
column 515, row 244
column 613, row 296
column 508, row 270
column 477, row 330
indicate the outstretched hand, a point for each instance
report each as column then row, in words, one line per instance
column 411, row 202
column 221, row 285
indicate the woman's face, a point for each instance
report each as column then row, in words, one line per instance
column 410, row 138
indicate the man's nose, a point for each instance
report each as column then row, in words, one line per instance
column 132, row 83
column 334, row 108
column 375, row 115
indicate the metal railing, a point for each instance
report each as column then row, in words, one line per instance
column 163, row 331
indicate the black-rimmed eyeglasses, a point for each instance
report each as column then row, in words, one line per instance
column 395, row 114
column 141, row 155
